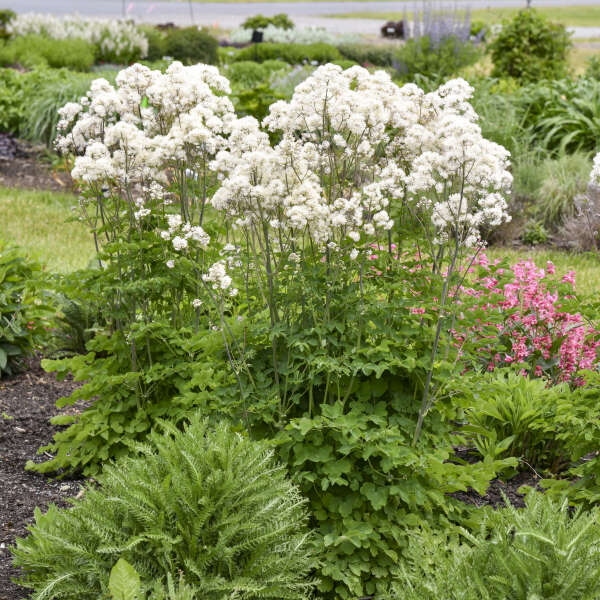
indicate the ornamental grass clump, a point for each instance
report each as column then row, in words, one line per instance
column 207, row 504
column 268, row 271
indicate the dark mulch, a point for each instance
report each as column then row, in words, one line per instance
column 493, row 496
column 25, row 166
column 27, row 401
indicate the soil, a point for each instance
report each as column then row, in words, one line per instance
column 498, row 488
column 25, row 166
column 27, row 402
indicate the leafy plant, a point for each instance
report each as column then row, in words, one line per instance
column 541, row 551
column 23, row 312
column 53, row 90
column 369, row 54
column 6, row 16
column 210, row 505
column 191, row 45
column 534, row 233
column 127, row 400
column 592, row 70
column 530, row 48
column 157, row 42
column 562, row 115
column 255, row 101
column 513, row 416
column 38, row 51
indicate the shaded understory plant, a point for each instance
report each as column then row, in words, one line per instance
column 208, row 504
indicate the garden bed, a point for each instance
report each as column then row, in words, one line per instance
column 27, row 402
column 22, row 166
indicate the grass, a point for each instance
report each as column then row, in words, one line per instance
column 572, row 16
column 35, row 220
column 587, row 265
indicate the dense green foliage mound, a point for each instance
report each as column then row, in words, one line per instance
column 530, row 48
column 210, row 505
column 38, row 51
column 281, row 21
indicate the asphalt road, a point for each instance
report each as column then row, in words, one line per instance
column 229, row 15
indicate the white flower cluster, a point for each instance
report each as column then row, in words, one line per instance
column 353, row 148
column 296, row 35
column 133, row 134
column 114, row 38
column 217, row 275
column 181, row 234
column 144, row 137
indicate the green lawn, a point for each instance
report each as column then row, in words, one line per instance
column 35, row 220
column 573, row 16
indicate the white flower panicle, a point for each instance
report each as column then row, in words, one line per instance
column 217, row 275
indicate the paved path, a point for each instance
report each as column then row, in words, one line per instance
column 230, row 15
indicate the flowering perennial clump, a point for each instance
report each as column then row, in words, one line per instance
column 116, row 39
column 538, row 334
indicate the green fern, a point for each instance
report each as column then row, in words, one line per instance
column 541, row 551
column 207, row 504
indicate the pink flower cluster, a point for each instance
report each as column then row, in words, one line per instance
column 537, row 334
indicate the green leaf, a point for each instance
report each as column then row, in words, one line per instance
column 3, row 359
column 124, row 581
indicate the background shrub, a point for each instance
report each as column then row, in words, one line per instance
column 157, row 42
column 530, row 48
column 381, row 56
column 281, row 21
column 13, row 100
column 293, row 54
column 6, row 16
column 190, row 45
column 38, row 51
column 541, row 551
column 248, row 73
column 209, row 505
column 436, row 60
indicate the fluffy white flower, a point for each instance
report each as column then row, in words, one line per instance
column 217, row 275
